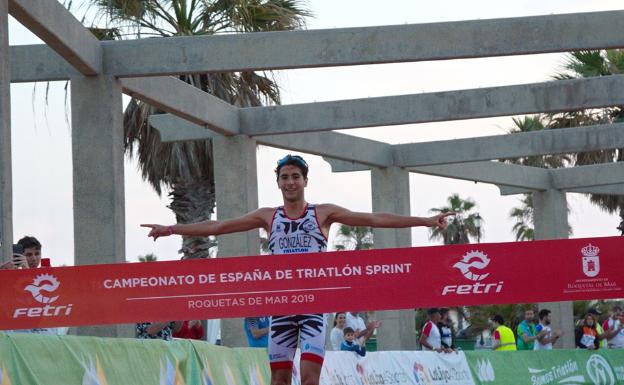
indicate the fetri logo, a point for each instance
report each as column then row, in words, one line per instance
column 41, row 289
column 44, row 282
column 470, row 265
column 473, row 259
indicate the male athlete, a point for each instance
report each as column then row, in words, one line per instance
column 296, row 227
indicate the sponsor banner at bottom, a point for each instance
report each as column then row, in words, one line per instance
column 570, row 367
column 393, row 367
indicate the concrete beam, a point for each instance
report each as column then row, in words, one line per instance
column 588, row 176
column 611, row 189
column 6, row 176
column 35, row 63
column 336, row 145
column 553, row 96
column 331, row 144
column 186, row 101
column 369, row 45
column 56, row 26
column 345, row 166
column 492, row 172
column 577, row 139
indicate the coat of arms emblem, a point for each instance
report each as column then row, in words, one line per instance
column 591, row 260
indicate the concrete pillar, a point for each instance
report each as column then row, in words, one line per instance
column 98, row 177
column 551, row 222
column 6, row 195
column 390, row 193
column 236, row 185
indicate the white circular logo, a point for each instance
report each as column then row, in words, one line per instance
column 599, row 371
column 43, row 283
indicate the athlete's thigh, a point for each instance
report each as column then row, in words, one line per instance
column 312, row 330
column 283, row 337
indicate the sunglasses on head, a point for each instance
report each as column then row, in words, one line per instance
column 296, row 158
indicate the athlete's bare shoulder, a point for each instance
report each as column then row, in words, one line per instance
column 264, row 213
column 326, row 211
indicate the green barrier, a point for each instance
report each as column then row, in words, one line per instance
column 30, row 359
column 571, row 367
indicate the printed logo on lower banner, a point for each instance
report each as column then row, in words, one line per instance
column 599, row 371
column 485, row 371
column 565, row 373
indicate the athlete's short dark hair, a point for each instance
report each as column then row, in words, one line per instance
column 29, row 242
column 292, row 160
column 543, row 313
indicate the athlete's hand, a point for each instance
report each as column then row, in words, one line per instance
column 158, row 230
column 439, row 220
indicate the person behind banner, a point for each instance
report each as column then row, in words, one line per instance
column 586, row 336
column 190, row 330
column 430, row 338
column 546, row 337
column 336, row 336
column 296, row 227
column 526, row 331
column 447, row 334
column 257, row 331
column 349, row 343
column 503, row 337
column 614, row 328
column 602, row 337
column 28, row 258
column 157, row 330
column 363, row 330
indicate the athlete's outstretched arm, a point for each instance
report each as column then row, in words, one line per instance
column 253, row 220
column 347, row 217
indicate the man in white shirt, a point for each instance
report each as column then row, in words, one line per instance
column 614, row 328
column 430, row 338
column 545, row 335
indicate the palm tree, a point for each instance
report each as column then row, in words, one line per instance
column 462, row 226
column 151, row 257
column 523, row 216
column 584, row 64
column 186, row 168
column 354, row 238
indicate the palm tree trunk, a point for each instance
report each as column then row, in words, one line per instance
column 193, row 201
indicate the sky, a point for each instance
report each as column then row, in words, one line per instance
column 42, row 176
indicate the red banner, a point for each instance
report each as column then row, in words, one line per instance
column 321, row 282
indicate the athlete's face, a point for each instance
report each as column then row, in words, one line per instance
column 292, row 183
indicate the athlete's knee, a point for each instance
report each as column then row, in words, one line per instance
column 281, row 376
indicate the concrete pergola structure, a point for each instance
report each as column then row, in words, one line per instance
column 101, row 71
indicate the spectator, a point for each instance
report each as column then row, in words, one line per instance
column 192, row 330
column 158, row 330
column 430, row 338
column 349, row 345
column 526, row 331
column 337, row 332
column 29, row 258
column 586, row 334
column 545, row 336
column 503, row 338
column 614, row 328
column 257, row 331
column 447, row 337
column 363, row 330
column 601, row 334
